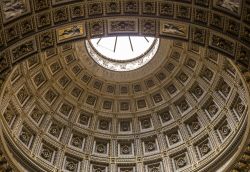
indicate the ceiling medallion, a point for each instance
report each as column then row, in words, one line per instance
column 122, row 53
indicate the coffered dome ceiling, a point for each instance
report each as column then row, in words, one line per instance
column 180, row 105
column 190, row 107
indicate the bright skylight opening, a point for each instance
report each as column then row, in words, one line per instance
column 122, row 53
column 122, row 48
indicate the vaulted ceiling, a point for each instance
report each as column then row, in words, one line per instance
column 185, row 110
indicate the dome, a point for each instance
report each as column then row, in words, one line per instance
column 124, row 86
column 186, row 106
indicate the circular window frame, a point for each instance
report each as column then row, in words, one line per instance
column 123, row 65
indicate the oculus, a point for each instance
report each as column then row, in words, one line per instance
column 122, row 53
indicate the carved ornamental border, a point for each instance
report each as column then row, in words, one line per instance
column 44, row 24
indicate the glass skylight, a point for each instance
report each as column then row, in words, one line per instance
column 122, row 48
column 122, row 53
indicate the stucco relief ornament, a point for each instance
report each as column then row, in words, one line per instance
column 205, row 149
column 161, row 76
column 113, row 6
column 225, row 130
column 11, row 33
column 36, row 115
column 8, row 115
column 84, row 119
column 212, row 109
column 181, row 162
column 240, row 108
column 183, row 106
column 191, row 63
column 176, row 55
column 149, row 7
column 165, row 116
column 125, row 149
column 95, row 9
column 46, row 40
column 149, row 27
column 77, row 12
column 155, row 169
column 170, row 67
column 198, row 36
column 97, row 28
column 208, row 74
column 166, row 9
column 71, row 166
column 225, row 89
column 174, row 138
column 60, row 15
column 22, row 95
column 195, row 126
column 44, row 20
column 200, row 16
column 65, row 109
column 157, row 98
column 40, row 4
column 25, row 137
column 100, row 148
column 172, row 89
column 198, row 91
column 104, row 125
column 46, row 154
column 150, row 146
column 50, row 96
column 183, row 77
column 38, row 79
column 146, row 123
column 76, row 141
column 55, row 130
column 98, row 170
column 131, row 6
